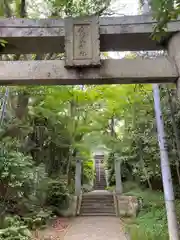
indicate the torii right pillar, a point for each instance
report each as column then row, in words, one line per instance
column 174, row 53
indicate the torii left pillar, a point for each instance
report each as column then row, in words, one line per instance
column 117, row 166
column 78, row 177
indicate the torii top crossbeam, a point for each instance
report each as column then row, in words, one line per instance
column 82, row 40
column 127, row 33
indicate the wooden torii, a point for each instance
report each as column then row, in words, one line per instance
column 82, row 40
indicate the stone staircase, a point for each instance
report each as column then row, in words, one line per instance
column 97, row 203
column 100, row 180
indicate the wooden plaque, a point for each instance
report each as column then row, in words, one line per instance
column 82, row 46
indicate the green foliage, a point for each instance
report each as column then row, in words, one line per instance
column 16, row 171
column 13, row 229
column 15, row 167
column 164, row 11
column 3, row 42
column 39, row 220
column 22, row 188
column 151, row 222
column 80, row 8
column 137, row 233
column 57, row 194
column 67, row 121
column 88, row 171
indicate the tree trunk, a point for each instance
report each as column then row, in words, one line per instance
column 144, row 167
column 23, row 13
column 7, row 9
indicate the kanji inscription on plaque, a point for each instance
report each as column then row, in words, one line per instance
column 82, row 42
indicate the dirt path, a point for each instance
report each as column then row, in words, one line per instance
column 95, row 228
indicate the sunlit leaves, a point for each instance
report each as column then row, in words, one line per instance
column 78, row 7
column 164, row 11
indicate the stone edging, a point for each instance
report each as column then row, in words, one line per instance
column 115, row 204
column 79, row 200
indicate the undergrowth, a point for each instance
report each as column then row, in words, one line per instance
column 151, row 222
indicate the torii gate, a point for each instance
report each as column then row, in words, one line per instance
column 82, row 39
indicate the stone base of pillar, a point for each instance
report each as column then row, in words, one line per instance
column 126, row 206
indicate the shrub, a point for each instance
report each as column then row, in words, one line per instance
column 39, row 220
column 136, row 233
column 14, row 229
column 16, row 174
column 57, row 194
column 88, row 171
column 151, row 222
column 23, row 188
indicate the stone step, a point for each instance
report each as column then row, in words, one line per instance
column 97, row 214
column 92, row 203
column 90, row 209
column 97, row 211
column 99, row 188
column 100, row 185
column 97, row 204
column 103, row 186
column 89, row 205
column 98, row 194
column 101, row 176
column 100, row 180
column 97, row 198
column 99, row 201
